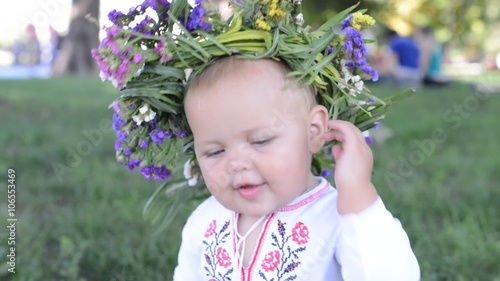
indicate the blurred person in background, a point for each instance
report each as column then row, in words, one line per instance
column 406, row 53
column 431, row 57
column 27, row 50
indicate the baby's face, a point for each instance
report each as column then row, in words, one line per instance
column 251, row 138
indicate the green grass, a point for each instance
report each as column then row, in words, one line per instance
column 81, row 218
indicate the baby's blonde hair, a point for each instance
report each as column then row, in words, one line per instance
column 230, row 65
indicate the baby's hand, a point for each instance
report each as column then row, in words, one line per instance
column 353, row 167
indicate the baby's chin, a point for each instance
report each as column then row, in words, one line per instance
column 255, row 211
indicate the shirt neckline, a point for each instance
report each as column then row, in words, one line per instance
column 308, row 197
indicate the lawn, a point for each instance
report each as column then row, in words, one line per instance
column 79, row 214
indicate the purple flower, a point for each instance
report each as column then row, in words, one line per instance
column 118, row 123
column 347, row 22
column 152, row 125
column 165, row 3
column 326, row 173
column 195, row 19
column 116, row 107
column 143, row 144
column 369, row 140
column 153, row 4
column 356, row 51
column 155, row 173
column 348, row 46
column 180, row 134
column 115, row 49
column 205, row 26
column 374, row 74
column 113, row 31
column 115, row 15
column 349, row 64
column 146, row 26
column 149, row 3
column 157, row 136
column 160, row 50
column 371, row 71
column 135, row 11
column 356, row 55
column 133, row 163
column 138, row 58
column 330, row 50
column 118, row 145
column 121, row 135
column 377, row 125
column 354, row 39
column 127, row 152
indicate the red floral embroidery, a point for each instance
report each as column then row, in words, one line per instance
column 211, row 229
column 271, row 261
column 223, row 257
column 300, row 233
column 282, row 263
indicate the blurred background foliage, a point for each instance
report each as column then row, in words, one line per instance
column 469, row 25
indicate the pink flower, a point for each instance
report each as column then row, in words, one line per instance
column 211, row 229
column 300, row 233
column 271, row 261
column 223, row 257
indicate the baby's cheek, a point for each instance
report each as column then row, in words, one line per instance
column 216, row 179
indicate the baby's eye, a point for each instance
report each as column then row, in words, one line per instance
column 261, row 142
column 214, row 153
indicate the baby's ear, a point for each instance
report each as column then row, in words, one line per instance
column 318, row 118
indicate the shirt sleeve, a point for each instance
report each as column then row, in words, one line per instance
column 189, row 263
column 373, row 246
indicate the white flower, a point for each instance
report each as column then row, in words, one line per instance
column 347, row 75
column 188, row 173
column 114, row 82
column 366, row 134
column 358, row 83
column 137, row 119
column 150, row 116
column 146, row 114
column 144, row 109
column 352, row 80
column 139, row 71
column 187, row 74
column 103, row 76
column 299, row 19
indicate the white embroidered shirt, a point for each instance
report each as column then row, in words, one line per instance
column 306, row 240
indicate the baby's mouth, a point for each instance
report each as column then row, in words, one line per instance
column 249, row 191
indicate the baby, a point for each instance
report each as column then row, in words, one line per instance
column 270, row 218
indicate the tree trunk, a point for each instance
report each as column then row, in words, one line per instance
column 75, row 57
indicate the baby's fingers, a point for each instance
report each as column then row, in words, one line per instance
column 342, row 131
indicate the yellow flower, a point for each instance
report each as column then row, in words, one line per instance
column 275, row 11
column 262, row 24
column 360, row 21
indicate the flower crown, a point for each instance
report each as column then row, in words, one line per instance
column 152, row 53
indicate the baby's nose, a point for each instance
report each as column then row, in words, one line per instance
column 238, row 164
column 240, row 159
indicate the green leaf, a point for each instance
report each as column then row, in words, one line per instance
column 165, row 71
column 338, row 18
